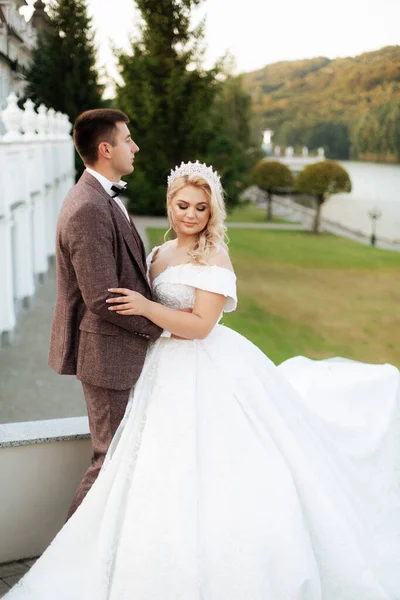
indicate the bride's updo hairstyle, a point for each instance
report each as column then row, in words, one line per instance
column 213, row 235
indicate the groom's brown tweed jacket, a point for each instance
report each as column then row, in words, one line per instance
column 97, row 249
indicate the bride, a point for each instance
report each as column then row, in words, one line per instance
column 230, row 478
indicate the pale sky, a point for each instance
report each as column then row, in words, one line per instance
column 259, row 32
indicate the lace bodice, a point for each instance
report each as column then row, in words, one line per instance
column 176, row 286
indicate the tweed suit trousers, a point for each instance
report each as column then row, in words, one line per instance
column 105, row 409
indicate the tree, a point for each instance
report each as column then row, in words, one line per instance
column 321, row 180
column 375, row 134
column 365, row 135
column 233, row 150
column 333, row 136
column 271, row 176
column 62, row 73
column 168, row 97
column 326, row 106
column 395, row 130
column 293, row 134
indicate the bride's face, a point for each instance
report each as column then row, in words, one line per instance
column 189, row 211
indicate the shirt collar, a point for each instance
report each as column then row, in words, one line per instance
column 106, row 183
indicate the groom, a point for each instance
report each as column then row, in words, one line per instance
column 97, row 248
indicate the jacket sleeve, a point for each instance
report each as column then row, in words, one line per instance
column 91, row 244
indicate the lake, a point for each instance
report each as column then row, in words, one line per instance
column 374, row 186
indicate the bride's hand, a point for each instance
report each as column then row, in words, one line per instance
column 130, row 303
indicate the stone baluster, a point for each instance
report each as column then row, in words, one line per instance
column 70, row 152
column 52, row 122
column 59, row 125
column 29, row 120
column 42, row 123
column 24, row 280
column 7, row 312
column 67, row 125
column 289, row 151
column 12, row 119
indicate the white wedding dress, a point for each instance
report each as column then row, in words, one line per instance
column 233, row 479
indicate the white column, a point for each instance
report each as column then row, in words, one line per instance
column 55, row 211
column 21, row 209
column 7, row 314
column 12, row 119
column 40, row 263
column 49, row 219
column 50, row 181
column 23, row 270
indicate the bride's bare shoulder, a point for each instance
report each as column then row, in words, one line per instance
column 166, row 248
column 220, row 258
column 167, row 245
column 159, row 250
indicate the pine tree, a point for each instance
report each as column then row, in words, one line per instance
column 168, row 97
column 234, row 150
column 63, row 74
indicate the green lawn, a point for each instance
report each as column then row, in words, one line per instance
column 249, row 213
column 317, row 296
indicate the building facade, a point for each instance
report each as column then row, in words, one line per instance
column 17, row 39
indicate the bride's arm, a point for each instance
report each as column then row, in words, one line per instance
column 195, row 325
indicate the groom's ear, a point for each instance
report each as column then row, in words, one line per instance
column 104, row 150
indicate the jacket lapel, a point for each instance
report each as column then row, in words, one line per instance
column 137, row 253
column 128, row 234
column 140, row 241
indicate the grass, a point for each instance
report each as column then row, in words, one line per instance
column 249, row 213
column 316, row 296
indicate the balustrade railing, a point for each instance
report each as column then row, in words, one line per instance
column 36, row 171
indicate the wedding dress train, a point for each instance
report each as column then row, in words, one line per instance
column 233, row 479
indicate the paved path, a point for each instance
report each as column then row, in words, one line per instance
column 361, row 239
column 29, row 389
column 11, row 573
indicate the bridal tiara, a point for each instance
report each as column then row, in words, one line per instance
column 196, row 168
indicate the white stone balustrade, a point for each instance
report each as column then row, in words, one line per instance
column 296, row 163
column 36, row 171
column 29, row 120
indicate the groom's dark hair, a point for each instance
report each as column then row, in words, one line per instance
column 93, row 127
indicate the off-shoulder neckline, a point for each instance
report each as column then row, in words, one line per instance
column 170, row 267
column 192, row 265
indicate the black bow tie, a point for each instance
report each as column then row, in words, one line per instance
column 117, row 190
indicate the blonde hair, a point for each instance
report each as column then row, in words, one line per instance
column 213, row 235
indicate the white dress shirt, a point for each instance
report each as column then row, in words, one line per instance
column 107, row 185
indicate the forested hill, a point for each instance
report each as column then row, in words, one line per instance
column 351, row 106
